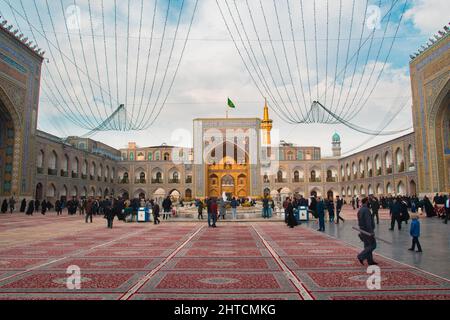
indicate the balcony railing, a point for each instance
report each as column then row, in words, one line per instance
column 52, row 172
column 140, row 181
column 315, row 180
column 361, row 175
column 174, row 180
column 74, row 175
column 189, row 180
column 40, row 170
column 389, row 170
column 280, row 180
column 123, row 181
column 379, row 172
column 297, row 180
column 157, row 181
column 84, row 176
column 401, row 167
column 64, row 173
column 331, row 179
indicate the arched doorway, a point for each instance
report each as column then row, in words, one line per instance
column 7, row 136
column 440, row 120
column 228, row 170
column 330, row 194
column 412, row 188
column 39, row 192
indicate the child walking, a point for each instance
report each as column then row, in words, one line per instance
column 414, row 231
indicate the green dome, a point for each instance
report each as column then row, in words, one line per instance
column 336, row 137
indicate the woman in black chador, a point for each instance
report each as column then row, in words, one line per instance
column 30, row 208
column 23, row 205
column 291, row 221
column 4, row 206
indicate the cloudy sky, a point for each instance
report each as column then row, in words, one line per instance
column 350, row 55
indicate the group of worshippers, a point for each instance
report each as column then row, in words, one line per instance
column 315, row 206
column 216, row 208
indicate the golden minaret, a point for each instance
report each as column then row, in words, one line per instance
column 266, row 126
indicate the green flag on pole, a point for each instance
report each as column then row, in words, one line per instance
column 231, row 104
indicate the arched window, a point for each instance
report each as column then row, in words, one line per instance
column 40, row 159
column 132, row 156
column 65, row 163
column 399, row 161
column 157, row 156
column 52, row 160
column 51, row 191
column 93, row 169
column 166, row 156
column 388, row 162
column 266, row 178
column 280, row 176
column 378, row 165
column 85, row 168
column 296, row 176
column 411, row 156
column 313, row 175
column 150, row 156
column 388, row 188
column 142, row 177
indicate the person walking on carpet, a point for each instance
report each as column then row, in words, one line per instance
column 366, row 224
column 155, row 212
column 321, row 214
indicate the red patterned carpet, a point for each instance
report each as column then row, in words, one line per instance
column 191, row 261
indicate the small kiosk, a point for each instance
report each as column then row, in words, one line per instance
column 144, row 215
column 303, row 214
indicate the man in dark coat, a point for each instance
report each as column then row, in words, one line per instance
column 12, row 204
column 313, row 207
column 396, row 213
column 367, row 224
column 167, row 206
column 200, row 209
column 58, row 207
column 330, row 208
column 156, row 210
column 89, row 211
column 37, row 204
column 339, row 204
column 375, row 206
column 23, row 205
column 321, row 214
column 109, row 213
